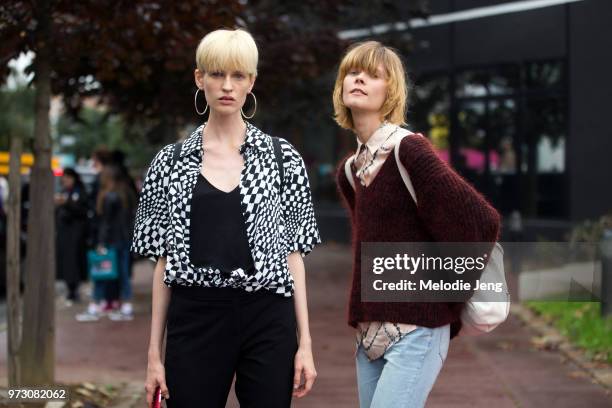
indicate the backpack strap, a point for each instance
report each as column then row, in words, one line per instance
column 402, row 170
column 347, row 170
column 278, row 155
column 176, row 153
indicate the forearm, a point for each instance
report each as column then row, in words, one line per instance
column 296, row 268
column 159, row 310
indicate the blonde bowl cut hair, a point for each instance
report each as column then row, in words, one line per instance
column 367, row 56
column 223, row 50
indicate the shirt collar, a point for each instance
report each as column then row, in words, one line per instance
column 254, row 139
column 378, row 137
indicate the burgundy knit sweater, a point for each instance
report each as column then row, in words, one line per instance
column 449, row 210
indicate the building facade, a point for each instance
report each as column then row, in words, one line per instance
column 518, row 103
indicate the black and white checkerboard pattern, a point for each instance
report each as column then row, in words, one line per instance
column 277, row 222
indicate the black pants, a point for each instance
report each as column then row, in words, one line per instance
column 214, row 333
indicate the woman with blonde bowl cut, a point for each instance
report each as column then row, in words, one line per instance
column 227, row 216
column 401, row 346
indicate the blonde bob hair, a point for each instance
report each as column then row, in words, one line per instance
column 222, row 50
column 367, row 56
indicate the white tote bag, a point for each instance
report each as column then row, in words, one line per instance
column 479, row 315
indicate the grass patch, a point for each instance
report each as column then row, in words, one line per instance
column 581, row 323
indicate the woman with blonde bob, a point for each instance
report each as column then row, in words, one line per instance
column 227, row 216
column 401, row 346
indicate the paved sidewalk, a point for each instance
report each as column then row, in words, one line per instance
column 498, row 370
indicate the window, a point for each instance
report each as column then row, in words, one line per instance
column 506, row 133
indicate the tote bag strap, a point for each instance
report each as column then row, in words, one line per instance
column 402, row 170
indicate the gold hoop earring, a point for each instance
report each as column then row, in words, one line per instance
column 254, row 108
column 195, row 102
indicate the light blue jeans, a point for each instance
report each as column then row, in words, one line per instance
column 406, row 373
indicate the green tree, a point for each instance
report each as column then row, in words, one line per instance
column 16, row 115
column 16, row 126
column 35, row 352
column 91, row 129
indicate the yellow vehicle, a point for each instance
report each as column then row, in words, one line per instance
column 27, row 161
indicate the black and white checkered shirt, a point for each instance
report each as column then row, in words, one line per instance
column 277, row 222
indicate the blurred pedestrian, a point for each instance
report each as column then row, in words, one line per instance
column 114, row 206
column 401, row 345
column 71, row 230
column 100, row 158
column 4, row 193
column 118, row 160
column 228, row 233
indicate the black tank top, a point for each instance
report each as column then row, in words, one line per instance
column 218, row 233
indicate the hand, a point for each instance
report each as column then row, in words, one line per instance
column 60, row 199
column 156, row 376
column 304, row 365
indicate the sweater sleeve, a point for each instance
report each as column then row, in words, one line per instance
column 344, row 187
column 451, row 209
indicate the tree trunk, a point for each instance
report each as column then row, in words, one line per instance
column 13, row 262
column 38, row 342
